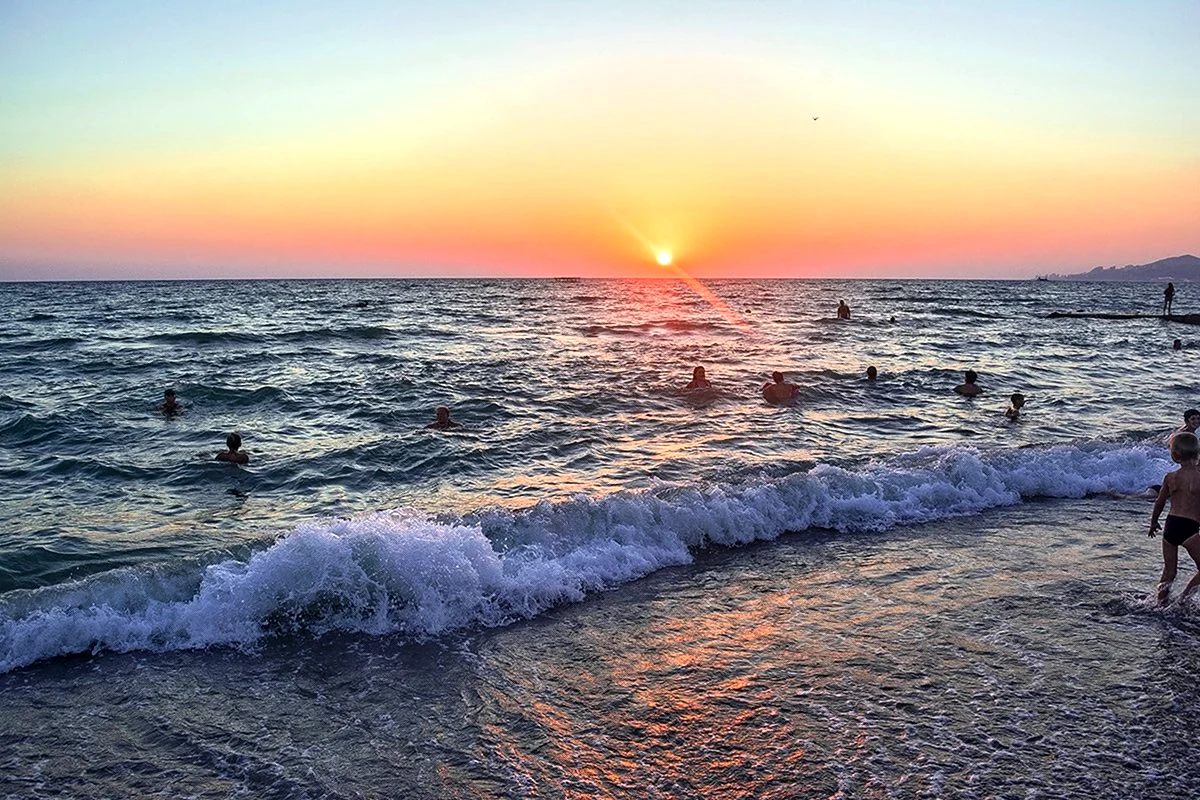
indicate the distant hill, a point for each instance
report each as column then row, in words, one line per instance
column 1178, row 268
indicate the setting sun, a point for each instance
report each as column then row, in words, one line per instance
column 664, row 258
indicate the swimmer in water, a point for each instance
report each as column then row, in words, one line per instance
column 698, row 380
column 843, row 311
column 1191, row 421
column 169, row 405
column 780, row 391
column 968, row 388
column 1015, row 404
column 442, row 421
column 234, row 454
column 872, row 374
column 1183, row 523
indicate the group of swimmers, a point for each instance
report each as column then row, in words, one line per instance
column 780, row 390
column 233, row 452
column 1181, row 487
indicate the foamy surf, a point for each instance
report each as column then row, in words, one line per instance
column 404, row 573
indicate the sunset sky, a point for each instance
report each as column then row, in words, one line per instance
column 260, row 139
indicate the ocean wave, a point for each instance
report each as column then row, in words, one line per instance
column 966, row 312
column 27, row 430
column 405, row 573
column 204, row 337
column 672, row 325
column 53, row 344
column 10, row 403
column 354, row 332
column 239, row 398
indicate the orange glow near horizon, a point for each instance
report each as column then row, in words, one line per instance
column 664, row 258
column 737, row 152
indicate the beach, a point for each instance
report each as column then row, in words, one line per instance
column 1013, row 654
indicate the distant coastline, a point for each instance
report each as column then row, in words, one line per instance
column 1176, row 268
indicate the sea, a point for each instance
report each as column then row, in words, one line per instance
column 600, row 585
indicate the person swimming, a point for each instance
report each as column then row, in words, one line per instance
column 442, row 421
column 779, row 391
column 872, row 373
column 1015, row 404
column 968, row 388
column 169, row 405
column 698, row 380
column 234, row 454
column 843, row 310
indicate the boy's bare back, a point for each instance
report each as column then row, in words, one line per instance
column 1183, row 487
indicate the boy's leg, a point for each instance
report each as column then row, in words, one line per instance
column 1170, row 562
column 1192, row 545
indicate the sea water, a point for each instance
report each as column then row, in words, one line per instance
column 601, row 585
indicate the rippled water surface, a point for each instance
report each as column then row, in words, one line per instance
column 562, row 386
column 883, row 589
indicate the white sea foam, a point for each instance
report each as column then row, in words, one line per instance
column 401, row 572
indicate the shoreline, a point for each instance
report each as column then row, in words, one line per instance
column 979, row 656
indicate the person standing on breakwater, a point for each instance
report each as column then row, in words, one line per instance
column 1183, row 523
column 1168, row 298
column 234, row 454
column 780, row 391
column 442, row 421
column 698, row 380
column 968, row 388
column 843, row 310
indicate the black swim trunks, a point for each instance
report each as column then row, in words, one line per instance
column 1179, row 529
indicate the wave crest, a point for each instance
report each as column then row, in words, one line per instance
column 402, row 572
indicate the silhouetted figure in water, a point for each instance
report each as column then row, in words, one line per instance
column 169, row 405
column 872, row 373
column 698, row 380
column 1177, row 344
column 780, row 391
column 1168, row 298
column 1015, row 404
column 234, row 454
column 968, row 388
column 843, row 310
column 443, row 421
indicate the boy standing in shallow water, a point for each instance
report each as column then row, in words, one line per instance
column 1183, row 523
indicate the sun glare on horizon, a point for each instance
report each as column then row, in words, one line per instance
column 663, row 258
